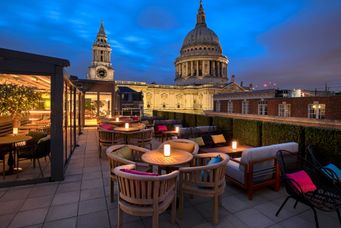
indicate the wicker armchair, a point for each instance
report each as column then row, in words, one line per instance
column 145, row 195
column 182, row 144
column 326, row 196
column 107, row 138
column 117, row 158
column 204, row 180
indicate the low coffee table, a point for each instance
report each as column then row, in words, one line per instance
column 227, row 150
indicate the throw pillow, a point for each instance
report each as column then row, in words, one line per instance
column 188, row 147
column 213, row 161
column 106, row 126
column 137, row 172
column 161, row 128
column 333, row 168
column 208, row 141
column 199, row 141
column 302, row 179
column 217, row 139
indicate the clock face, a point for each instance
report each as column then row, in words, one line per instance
column 101, row 73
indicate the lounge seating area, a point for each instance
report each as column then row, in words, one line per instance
column 84, row 198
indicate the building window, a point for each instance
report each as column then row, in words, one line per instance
column 262, row 107
column 229, row 107
column 284, row 110
column 245, row 107
column 316, row 111
column 218, row 106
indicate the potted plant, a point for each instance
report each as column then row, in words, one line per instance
column 17, row 100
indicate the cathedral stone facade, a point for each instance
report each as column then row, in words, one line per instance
column 201, row 72
column 201, row 60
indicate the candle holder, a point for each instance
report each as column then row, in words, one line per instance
column 177, row 129
column 15, row 131
column 126, row 125
column 117, row 119
column 166, row 150
column 234, row 145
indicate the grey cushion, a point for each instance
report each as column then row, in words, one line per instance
column 232, row 170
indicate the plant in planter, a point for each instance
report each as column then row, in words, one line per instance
column 17, row 100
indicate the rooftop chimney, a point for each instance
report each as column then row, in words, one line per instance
column 241, row 83
column 233, row 78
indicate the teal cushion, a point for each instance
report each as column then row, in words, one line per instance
column 213, row 161
column 335, row 169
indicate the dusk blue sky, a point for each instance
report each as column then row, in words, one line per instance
column 294, row 43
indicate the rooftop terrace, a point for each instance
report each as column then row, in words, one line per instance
column 82, row 200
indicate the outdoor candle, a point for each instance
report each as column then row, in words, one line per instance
column 126, row 125
column 15, row 131
column 117, row 119
column 110, row 116
column 177, row 129
column 234, row 145
column 166, row 150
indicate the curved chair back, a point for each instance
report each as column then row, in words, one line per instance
column 182, row 144
column 145, row 190
column 43, row 147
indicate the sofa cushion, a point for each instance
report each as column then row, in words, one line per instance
column 199, row 141
column 233, row 170
column 218, row 139
column 208, row 141
column 302, row 179
column 188, row 147
column 106, row 126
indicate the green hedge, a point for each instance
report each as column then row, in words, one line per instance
column 224, row 125
column 274, row 133
column 190, row 120
column 247, row 132
column 327, row 143
column 171, row 115
column 204, row 120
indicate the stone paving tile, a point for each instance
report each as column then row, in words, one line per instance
column 97, row 219
column 6, row 219
column 92, row 193
column 63, row 223
column 12, row 206
column 15, row 194
column 90, row 206
column 254, row 218
column 64, row 198
column 27, row 218
column 62, row 211
column 37, row 202
column 296, row 222
column 69, row 187
column 93, row 183
column 43, row 190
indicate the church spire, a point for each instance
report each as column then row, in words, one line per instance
column 101, row 30
column 201, row 17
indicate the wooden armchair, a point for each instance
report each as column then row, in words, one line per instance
column 107, row 138
column 142, row 138
column 124, row 155
column 257, row 168
column 204, row 180
column 141, row 195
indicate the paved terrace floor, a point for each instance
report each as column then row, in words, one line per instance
column 82, row 200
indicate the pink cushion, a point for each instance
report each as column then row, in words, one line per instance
column 161, row 128
column 135, row 118
column 303, row 180
column 137, row 172
column 106, row 126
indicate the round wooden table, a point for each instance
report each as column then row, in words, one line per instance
column 12, row 140
column 177, row 157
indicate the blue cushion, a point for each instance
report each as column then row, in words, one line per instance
column 335, row 169
column 213, row 160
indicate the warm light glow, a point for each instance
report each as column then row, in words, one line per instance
column 117, row 119
column 314, row 106
column 15, row 131
column 110, row 116
column 234, row 145
column 166, row 150
column 177, row 129
column 126, row 125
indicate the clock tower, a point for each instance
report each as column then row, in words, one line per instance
column 101, row 68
